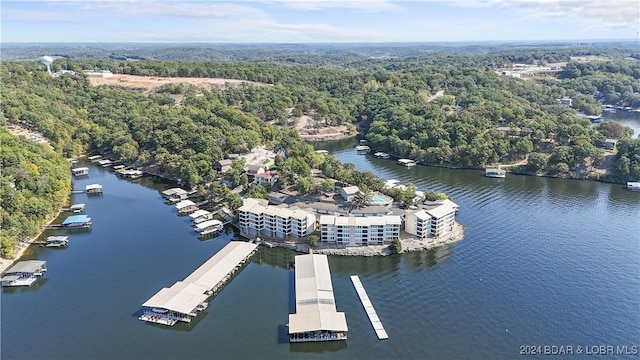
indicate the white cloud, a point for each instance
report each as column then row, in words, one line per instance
column 614, row 14
column 363, row 6
column 172, row 9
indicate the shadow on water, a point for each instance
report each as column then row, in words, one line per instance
column 318, row 347
column 430, row 258
column 283, row 330
column 619, row 196
column 278, row 257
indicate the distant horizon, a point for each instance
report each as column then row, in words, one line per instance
column 549, row 41
column 318, row 21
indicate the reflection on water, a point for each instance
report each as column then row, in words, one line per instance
column 279, row 257
column 318, row 347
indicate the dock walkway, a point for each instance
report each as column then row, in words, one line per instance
column 368, row 307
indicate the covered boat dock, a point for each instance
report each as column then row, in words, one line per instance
column 316, row 318
column 183, row 300
column 24, row 273
column 77, row 221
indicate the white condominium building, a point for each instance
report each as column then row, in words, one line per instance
column 432, row 222
column 257, row 218
column 359, row 231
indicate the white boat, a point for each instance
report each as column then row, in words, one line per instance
column 495, row 172
column 362, row 149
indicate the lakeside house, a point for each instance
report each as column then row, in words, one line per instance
column 610, row 144
column 268, row 177
column 223, row 166
column 24, row 273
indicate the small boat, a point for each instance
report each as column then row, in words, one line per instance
column 363, row 149
column 633, row 186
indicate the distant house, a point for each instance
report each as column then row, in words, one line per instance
column 610, row 144
column 253, row 170
column 223, row 166
column 565, row 101
column 266, row 178
column 348, row 193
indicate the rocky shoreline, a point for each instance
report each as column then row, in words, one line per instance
column 408, row 245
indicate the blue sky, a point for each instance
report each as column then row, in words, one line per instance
column 315, row 21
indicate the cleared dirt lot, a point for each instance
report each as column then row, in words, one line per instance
column 152, row 82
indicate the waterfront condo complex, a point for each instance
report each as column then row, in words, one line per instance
column 355, row 228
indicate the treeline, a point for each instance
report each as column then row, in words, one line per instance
column 33, row 184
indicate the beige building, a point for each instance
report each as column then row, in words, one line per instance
column 257, row 218
column 359, row 231
column 433, row 221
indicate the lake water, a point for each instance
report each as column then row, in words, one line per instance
column 545, row 262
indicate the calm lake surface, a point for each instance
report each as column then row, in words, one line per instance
column 545, row 262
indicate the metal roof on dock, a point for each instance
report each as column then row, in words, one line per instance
column 315, row 304
column 28, row 266
column 76, row 219
column 222, row 263
column 181, row 297
column 185, row 295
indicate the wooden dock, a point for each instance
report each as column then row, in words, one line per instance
column 368, row 307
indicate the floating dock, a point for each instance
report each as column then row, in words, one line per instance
column 368, row 307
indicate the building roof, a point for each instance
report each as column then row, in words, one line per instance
column 198, row 213
column 57, row 238
column 208, row 223
column 77, row 206
column 174, row 191
column 219, row 265
column 315, row 304
column 266, row 175
column 351, row 190
column 76, row 219
column 442, row 210
column 422, row 215
column 181, row 297
column 225, row 162
column 28, row 266
column 254, row 168
column 93, row 186
column 405, row 161
column 79, row 169
column 185, row 295
column 184, row 203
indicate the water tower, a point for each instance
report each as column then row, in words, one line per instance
column 47, row 60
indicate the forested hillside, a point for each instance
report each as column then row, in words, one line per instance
column 482, row 118
column 33, row 184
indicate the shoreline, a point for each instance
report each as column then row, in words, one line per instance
column 408, row 245
column 21, row 247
